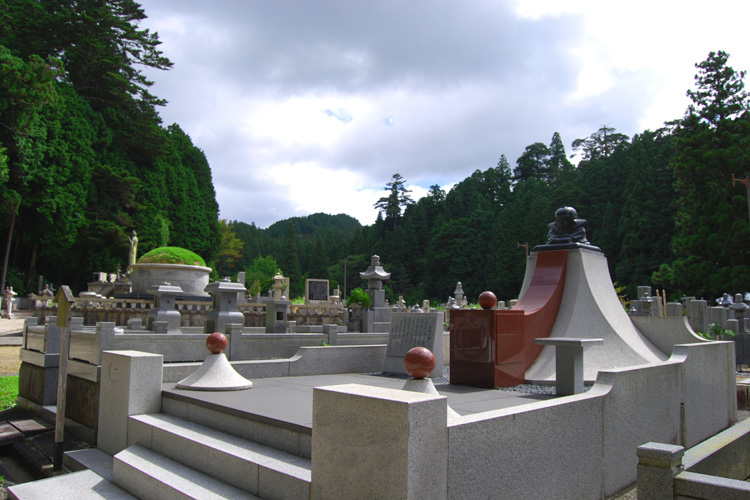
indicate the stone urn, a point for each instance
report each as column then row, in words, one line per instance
column 192, row 279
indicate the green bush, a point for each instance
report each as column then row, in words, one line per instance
column 358, row 296
column 715, row 331
column 172, row 255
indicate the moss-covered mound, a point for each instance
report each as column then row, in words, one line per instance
column 172, row 255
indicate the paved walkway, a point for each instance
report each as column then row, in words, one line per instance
column 11, row 330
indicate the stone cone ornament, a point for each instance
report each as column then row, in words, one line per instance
column 216, row 373
column 419, row 362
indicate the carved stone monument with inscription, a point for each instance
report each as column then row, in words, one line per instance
column 316, row 292
column 409, row 330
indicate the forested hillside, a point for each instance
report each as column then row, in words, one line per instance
column 84, row 158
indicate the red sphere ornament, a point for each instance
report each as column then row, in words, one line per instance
column 487, row 300
column 216, row 343
column 419, row 362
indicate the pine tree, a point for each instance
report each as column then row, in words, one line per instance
column 599, row 145
column 398, row 197
column 712, row 237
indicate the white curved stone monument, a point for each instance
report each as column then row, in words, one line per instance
column 591, row 309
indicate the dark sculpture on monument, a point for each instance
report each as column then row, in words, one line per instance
column 568, row 231
column 567, row 228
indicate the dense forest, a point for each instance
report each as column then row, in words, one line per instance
column 85, row 160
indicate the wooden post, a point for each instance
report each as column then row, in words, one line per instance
column 65, row 301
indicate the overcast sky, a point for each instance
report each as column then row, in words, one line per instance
column 311, row 106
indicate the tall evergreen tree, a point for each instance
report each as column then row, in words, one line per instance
column 599, row 145
column 712, row 239
column 398, row 198
column 534, row 162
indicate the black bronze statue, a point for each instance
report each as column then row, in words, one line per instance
column 567, row 228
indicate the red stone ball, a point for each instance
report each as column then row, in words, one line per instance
column 487, row 300
column 216, row 343
column 419, row 362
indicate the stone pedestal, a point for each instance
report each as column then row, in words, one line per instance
column 371, row 442
column 130, row 385
column 658, row 464
column 569, row 362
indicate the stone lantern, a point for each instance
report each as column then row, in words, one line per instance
column 278, row 286
column 278, row 308
column 164, row 318
column 224, row 310
column 378, row 318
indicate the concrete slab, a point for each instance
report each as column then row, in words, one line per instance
column 83, row 485
column 287, row 401
column 91, row 458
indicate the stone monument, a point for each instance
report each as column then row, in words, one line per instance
column 410, row 330
column 133, row 248
column 378, row 318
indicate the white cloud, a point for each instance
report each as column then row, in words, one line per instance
column 313, row 107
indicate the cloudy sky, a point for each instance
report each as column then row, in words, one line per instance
column 311, row 106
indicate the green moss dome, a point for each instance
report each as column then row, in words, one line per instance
column 172, row 255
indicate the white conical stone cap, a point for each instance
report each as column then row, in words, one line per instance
column 215, row 374
column 426, row 386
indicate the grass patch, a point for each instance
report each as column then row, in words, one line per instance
column 8, row 392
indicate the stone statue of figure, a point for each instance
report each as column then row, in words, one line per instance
column 567, row 228
column 133, row 248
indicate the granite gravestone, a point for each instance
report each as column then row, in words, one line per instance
column 316, row 291
column 409, row 330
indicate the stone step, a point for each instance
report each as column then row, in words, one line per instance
column 291, row 438
column 83, row 485
column 90, row 458
column 149, row 475
column 261, row 470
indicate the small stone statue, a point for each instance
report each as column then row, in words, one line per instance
column 567, row 228
column 133, row 248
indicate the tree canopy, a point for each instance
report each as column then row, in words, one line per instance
column 83, row 156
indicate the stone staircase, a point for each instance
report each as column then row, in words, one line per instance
column 172, row 456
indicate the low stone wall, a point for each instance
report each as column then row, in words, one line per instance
column 306, row 361
column 716, row 468
column 192, row 312
column 583, row 446
column 666, row 332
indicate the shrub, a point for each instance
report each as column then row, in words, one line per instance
column 358, row 296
